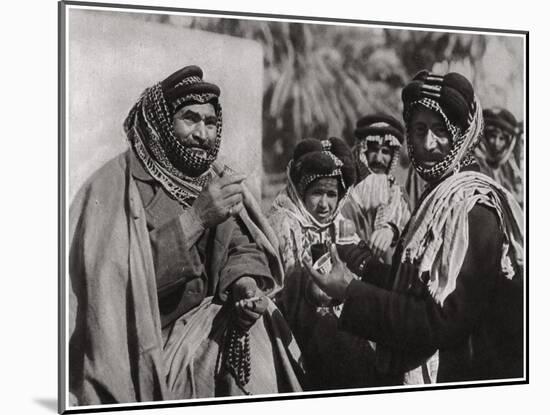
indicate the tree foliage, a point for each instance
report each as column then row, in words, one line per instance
column 320, row 78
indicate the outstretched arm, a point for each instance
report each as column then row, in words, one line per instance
column 413, row 319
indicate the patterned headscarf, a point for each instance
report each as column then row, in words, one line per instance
column 452, row 97
column 382, row 129
column 307, row 179
column 314, row 159
column 505, row 121
column 150, row 131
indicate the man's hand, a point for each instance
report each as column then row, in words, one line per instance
column 410, row 279
column 337, row 280
column 250, row 303
column 219, row 200
column 380, row 241
column 356, row 256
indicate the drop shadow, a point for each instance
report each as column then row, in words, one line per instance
column 47, row 403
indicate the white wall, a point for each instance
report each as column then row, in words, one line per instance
column 113, row 57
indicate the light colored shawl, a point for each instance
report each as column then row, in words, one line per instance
column 380, row 194
column 437, row 236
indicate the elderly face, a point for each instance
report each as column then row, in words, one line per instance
column 497, row 141
column 195, row 127
column 379, row 157
column 321, row 198
column 430, row 139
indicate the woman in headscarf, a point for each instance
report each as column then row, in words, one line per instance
column 306, row 218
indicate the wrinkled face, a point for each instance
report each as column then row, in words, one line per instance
column 430, row 139
column 379, row 157
column 195, row 127
column 321, row 198
column 496, row 140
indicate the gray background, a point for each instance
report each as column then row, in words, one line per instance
column 113, row 57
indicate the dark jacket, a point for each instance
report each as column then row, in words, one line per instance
column 478, row 330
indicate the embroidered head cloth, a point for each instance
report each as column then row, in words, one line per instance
column 314, row 159
column 453, row 98
column 381, row 129
column 505, row 121
column 150, row 131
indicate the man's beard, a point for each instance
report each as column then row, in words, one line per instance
column 378, row 168
column 190, row 162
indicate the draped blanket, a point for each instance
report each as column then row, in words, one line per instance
column 437, row 239
column 193, row 355
column 117, row 352
column 437, row 235
column 381, row 200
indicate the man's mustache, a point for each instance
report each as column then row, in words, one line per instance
column 434, row 158
column 200, row 146
column 377, row 165
column 192, row 143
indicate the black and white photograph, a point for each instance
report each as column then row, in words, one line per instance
column 354, row 222
column 274, row 207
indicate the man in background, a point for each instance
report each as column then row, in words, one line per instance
column 377, row 203
column 499, row 148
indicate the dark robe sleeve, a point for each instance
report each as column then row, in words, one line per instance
column 181, row 268
column 358, row 258
column 244, row 258
column 413, row 320
column 378, row 273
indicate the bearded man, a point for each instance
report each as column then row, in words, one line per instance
column 377, row 203
column 170, row 264
column 497, row 149
column 450, row 307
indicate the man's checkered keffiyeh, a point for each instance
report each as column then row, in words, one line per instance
column 150, row 131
